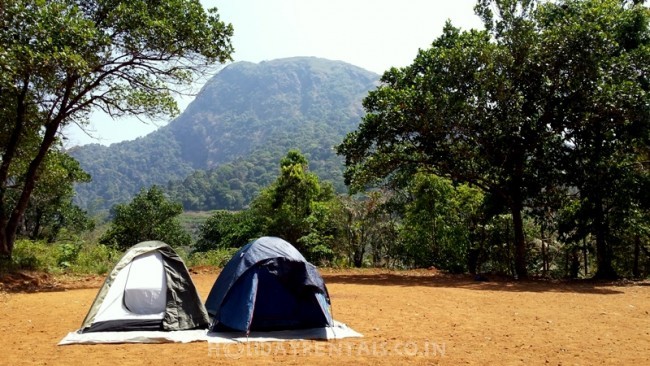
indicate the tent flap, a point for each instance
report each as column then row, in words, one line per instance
column 237, row 309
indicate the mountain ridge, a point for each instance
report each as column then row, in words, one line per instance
column 305, row 103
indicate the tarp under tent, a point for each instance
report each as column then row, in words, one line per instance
column 269, row 286
column 148, row 289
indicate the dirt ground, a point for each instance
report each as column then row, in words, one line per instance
column 414, row 317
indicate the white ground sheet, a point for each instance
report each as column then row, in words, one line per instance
column 338, row 331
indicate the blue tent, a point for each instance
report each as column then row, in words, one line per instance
column 268, row 285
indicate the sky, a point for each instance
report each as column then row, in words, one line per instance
column 373, row 34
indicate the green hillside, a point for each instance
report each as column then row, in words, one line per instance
column 228, row 142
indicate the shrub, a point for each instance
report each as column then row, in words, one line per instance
column 34, row 255
column 72, row 257
column 67, row 254
column 149, row 216
column 95, row 259
column 215, row 257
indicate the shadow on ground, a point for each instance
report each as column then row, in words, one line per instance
column 442, row 280
column 31, row 282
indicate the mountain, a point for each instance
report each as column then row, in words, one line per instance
column 228, row 142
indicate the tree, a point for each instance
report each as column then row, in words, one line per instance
column 367, row 228
column 285, row 208
column 467, row 109
column 63, row 58
column 438, row 223
column 291, row 196
column 150, row 216
column 50, row 206
column 225, row 229
column 597, row 54
column 550, row 94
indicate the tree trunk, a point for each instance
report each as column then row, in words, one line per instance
column 5, row 250
column 11, row 226
column 37, row 224
column 566, row 262
column 604, row 260
column 472, row 260
column 7, row 238
column 544, row 254
column 603, row 251
column 575, row 262
column 360, row 249
column 520, row 242
column 637, row 253
column 358, row 257
column 586, row 257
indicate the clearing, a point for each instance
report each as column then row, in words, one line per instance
column 406, row 317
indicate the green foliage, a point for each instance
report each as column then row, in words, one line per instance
column 226, row 229
column 296, row 207
column 150, row 216
column 367, row 232
column 598, row 55
column 289, row 203
column 192, row 222
column 74, row 257
column 536, row 130
column 95, row 259
column 438, row 223
column 68, row 253
column 322, row 232
column 494, row 246
column 51, row 211
column 34, row 256
column 121, row 170
column 465, row 109
column 214, row 257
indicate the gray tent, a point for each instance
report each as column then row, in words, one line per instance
column 148, row 289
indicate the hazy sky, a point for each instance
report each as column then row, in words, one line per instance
column 373, row 34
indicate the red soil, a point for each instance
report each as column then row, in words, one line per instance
column 413, row 317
